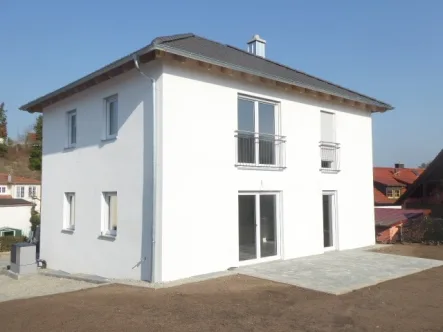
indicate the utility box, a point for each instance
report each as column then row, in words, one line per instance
column 23, row 258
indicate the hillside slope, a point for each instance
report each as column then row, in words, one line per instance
column 16, row 161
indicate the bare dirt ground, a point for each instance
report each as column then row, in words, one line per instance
column 235, row 303
column 414, row 250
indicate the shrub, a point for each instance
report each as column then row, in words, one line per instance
column 35, row 218
column 424, row 230
column 6, row 242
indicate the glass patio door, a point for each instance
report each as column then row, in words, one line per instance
column 329, row 222
column 258, row 226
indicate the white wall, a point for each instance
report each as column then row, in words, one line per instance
column 96, row 166
column 16, row 217
column 200, row 183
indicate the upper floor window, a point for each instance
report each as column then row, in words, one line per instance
column 258, row 141
column 20, row 192
column 72, row 128
column 2, row 189
column 111, row 117
column 32, row 191
column 393, row 192
column 329, row 148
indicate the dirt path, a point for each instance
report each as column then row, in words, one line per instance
column 235, row 303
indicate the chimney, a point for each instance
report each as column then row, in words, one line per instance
column 256, row 46
column 399, row 166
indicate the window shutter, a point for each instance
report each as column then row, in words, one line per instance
column 327, row 127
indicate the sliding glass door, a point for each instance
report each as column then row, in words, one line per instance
column 258, row 226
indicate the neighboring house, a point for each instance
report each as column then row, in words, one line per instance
column 190, row 156
column 19, row 187
column 388, row 222
column 427, row 191
column 391, row 182
column 14, row 216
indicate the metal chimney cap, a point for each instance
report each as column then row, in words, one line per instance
column 257, row 38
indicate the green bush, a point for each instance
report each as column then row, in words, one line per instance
column 6, row 242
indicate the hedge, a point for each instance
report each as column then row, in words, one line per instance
column 424, row 230
column 6, row 242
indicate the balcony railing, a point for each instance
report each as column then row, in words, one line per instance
column 330, row 157
column 260, row 150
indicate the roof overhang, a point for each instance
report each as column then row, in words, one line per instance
column 153, row 51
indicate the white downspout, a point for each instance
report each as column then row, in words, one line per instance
column 154, row 168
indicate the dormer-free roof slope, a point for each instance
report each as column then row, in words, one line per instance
column 205, row 50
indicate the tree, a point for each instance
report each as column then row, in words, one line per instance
column 424, row 165
column 3, row 131
column 35, row 157
column 35, row 218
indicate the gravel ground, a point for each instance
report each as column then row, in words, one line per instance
column 37, row 285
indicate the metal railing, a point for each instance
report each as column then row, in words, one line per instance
column 330, row 156
column 260, row 150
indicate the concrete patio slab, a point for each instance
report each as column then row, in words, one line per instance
column 339, row 272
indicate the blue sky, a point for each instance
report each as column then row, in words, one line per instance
column 389, row 49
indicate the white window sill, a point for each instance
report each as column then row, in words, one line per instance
column 68, row 230
column 109, row 139
column 260, row 167
column 329, row 170
column 107, row 236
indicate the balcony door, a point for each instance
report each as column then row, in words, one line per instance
column 258, row 142
column 258, row 227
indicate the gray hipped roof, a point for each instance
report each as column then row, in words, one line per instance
column 202, row 49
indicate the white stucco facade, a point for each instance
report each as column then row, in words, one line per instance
column 17, row 217
column 196, row 189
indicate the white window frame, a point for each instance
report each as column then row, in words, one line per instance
column 20, row 191
column 333, row 162
column 278, row 230
column 69, row 211
column 2, row 189
column 107, row 135
column 277, row 131
column 106, row 226
column 32, row 191
column 69, row 115
column 334, row 131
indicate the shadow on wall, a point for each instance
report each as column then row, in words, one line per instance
column 90, row 113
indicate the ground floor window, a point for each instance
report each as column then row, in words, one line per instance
column 109, row 214
column 69, row 220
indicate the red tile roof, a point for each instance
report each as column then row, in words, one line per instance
column 381, row 198
column 17, row 179
column 391, row 176
column 387, row 217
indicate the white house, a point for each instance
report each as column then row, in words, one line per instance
column 190, row 156
column 12, row 186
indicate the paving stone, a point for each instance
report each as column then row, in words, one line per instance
column 341, row 271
